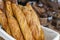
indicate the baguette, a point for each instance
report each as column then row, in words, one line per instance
column 3, row 22
column 13, row 24
column 3, row 19
column 36, row 20
column 22, row 22
column 33, row 22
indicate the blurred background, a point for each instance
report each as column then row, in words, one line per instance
column 47, row 10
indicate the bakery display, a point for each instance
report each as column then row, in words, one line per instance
column 21, row 22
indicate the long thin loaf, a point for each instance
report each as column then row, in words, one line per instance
column 22, row 22
column 37, row 23
column 34, row 22
column 3, row 21
column 13, row 24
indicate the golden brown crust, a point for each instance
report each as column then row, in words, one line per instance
column 27, row 24
column 22, row 22
column 3, row 21
column 33, row 22
column 14, row 27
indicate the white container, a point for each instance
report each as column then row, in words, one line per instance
column 4, row 35
column 49, row 34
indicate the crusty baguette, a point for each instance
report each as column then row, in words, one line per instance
column 28, row 16
column 14, row 27
column 22, row 22
column 13, row 24
column 34, row 22
column 3, row 21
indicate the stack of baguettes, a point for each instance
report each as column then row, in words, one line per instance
column 21, row 22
